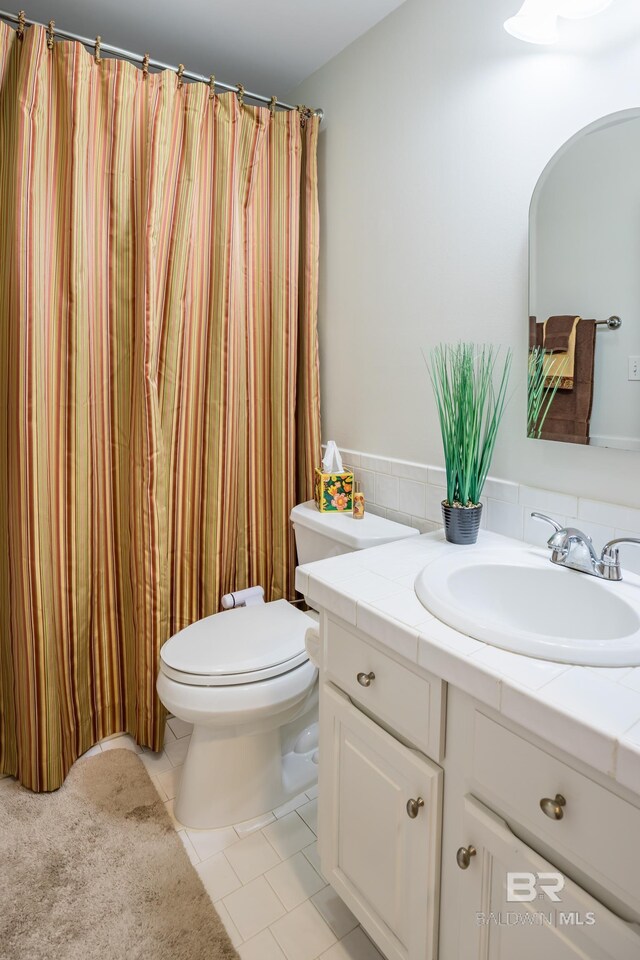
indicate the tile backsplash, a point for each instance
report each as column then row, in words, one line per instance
column 411, row 493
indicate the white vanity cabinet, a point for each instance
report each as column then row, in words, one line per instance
column 459, row 855
column 494, row 926
column 380, row 801
column 540, row 855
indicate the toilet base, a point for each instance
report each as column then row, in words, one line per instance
column 227, row 781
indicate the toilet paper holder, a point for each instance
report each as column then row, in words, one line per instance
column 250, row 597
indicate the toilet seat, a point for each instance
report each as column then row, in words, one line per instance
column 239, row 646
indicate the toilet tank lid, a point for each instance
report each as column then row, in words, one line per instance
column 370, row 531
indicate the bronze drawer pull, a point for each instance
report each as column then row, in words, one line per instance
column 365, row 679
column 463, row 856
column 553, row 808
column 414, row 807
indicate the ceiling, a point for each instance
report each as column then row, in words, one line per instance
column 270, row 47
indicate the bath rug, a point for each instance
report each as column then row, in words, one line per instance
column 96, row 871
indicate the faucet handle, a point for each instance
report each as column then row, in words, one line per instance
column 610, row 557
column 609, row 551
column 542, row 516
column 558, row 539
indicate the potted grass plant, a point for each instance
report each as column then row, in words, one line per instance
column 470, row 391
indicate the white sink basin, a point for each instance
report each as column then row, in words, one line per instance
column 520, row 601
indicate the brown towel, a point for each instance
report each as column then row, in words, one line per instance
column 557, row 331
column 560, row 364
column 536, row 333
column 570, row 411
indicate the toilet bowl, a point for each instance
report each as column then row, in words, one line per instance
column 247, row 680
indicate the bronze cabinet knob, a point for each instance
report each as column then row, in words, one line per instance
column 553, row 808
column 414, row 806
column 365, row 679
column 464, row 855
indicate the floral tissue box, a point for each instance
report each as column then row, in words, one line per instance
column 334, row 491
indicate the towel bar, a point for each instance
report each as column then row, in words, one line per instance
column 613, row 323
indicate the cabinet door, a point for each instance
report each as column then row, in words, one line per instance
column 496, row 926
column 383, row 861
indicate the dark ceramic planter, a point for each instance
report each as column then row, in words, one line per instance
column 461, row 524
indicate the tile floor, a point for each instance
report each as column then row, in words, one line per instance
column 263, row 876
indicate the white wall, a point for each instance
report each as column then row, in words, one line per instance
column 586, row 234
column 438, row 125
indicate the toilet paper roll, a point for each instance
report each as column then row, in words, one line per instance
column 243, row 598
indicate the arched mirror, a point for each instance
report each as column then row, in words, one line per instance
column 584, row 289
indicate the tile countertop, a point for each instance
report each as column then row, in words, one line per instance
column 590, row 712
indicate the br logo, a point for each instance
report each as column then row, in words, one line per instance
column 525, row 887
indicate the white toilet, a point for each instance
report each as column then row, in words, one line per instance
column 245, row 680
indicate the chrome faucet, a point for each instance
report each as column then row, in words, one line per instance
column 574, row 549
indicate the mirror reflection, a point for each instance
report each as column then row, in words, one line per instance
column 584, row 295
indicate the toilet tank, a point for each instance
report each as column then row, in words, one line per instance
column 321, row 535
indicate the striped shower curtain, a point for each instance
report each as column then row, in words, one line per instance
column 159, row 378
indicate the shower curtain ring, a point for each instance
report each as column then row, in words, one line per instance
column 304, row 112
column 180, row 74
column 272, row 104
column 52, row 24
column 21, row 24
column 145, row 65
column 96, row 56
column 240, row 94
column 212, row 86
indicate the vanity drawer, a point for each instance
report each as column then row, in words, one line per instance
column 598, row 832
column 412, row 704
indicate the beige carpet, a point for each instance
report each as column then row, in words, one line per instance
column 95, row 871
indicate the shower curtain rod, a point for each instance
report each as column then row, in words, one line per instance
column 141, row 58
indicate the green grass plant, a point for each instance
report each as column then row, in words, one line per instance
column 470, row 391
column 541, row 389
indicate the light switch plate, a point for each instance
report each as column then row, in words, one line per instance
column 634, row 368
